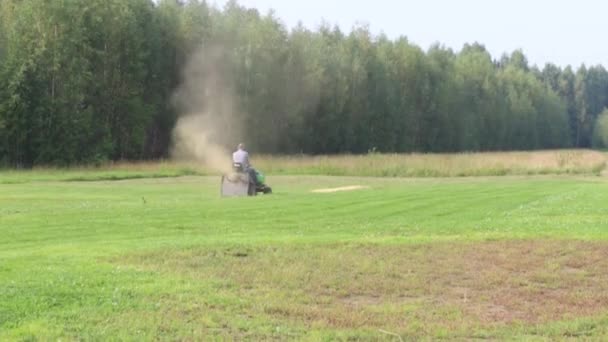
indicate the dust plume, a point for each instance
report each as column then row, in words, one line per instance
column 207, row 112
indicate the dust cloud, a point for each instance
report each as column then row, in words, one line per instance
column 207, row 112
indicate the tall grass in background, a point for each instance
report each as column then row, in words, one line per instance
column 576, row 162
column 440, row 165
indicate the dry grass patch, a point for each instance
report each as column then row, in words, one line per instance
column 579, row 162
column 411, row 289
column 340, row 189
column 441, row 165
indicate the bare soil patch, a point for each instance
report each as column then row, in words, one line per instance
column 340, row 189
column 404, row 287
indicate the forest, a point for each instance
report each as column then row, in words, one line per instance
column 89, row 81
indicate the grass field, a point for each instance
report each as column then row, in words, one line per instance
column 514, row 257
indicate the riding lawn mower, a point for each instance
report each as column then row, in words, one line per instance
column 243, row 182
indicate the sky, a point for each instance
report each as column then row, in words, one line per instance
column 563, row 32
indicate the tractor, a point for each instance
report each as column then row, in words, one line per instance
column 243, row 182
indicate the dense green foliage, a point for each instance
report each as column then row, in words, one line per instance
column 600, row 135
column 93, row 80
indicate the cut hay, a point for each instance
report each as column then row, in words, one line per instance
column 340, row 189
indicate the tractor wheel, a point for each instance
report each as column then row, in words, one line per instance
column 252, row 191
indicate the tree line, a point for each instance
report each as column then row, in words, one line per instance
column 93, row 80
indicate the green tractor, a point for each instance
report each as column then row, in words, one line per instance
column 241, row 182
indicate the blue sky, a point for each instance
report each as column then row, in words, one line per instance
column 559, row 31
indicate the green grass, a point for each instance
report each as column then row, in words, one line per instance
column 168, row 259
column 105, row 173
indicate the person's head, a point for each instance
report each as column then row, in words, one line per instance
column 241, row 146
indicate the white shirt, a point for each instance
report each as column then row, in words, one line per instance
column 242, row 157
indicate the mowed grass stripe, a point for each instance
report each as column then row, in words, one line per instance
column 170, row 259
column 130, row 210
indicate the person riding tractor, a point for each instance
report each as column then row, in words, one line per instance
column 245, row 180
column 240, row 159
